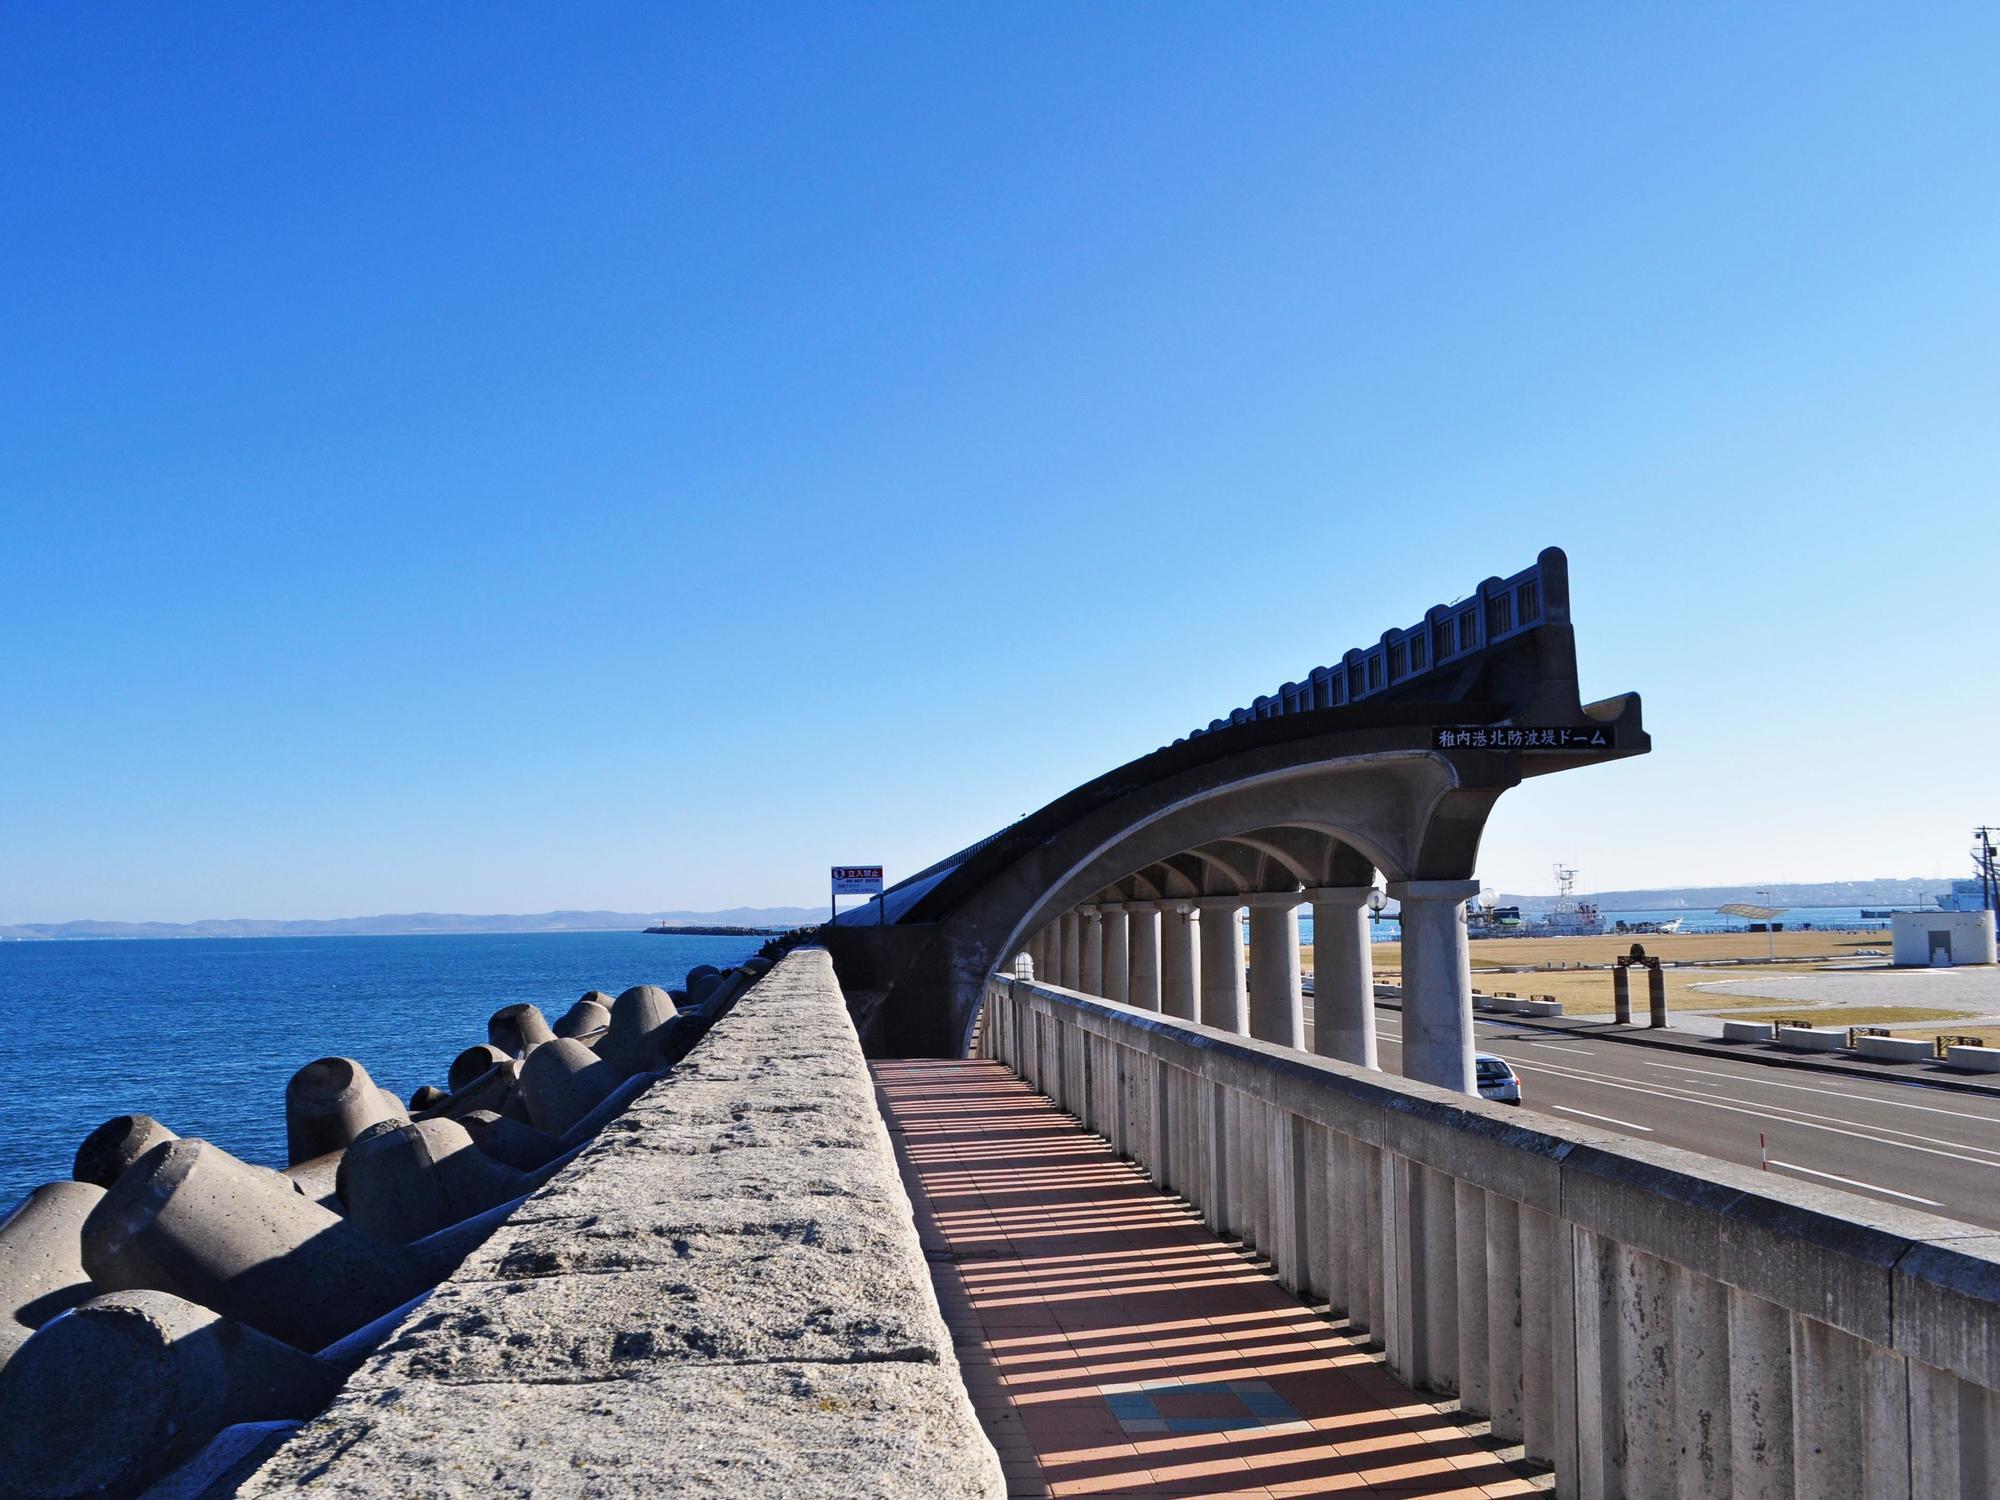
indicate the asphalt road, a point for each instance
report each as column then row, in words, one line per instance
column 1898, row 1142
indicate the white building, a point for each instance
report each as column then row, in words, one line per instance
column 1939, row 938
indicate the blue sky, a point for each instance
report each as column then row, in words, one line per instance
column 511, row 457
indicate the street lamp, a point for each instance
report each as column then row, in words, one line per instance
column 1377, row 899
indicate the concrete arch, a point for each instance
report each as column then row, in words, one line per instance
column 1392, row 770
column 1384, row 804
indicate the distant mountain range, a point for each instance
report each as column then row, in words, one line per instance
column 1888, row 892
column 1912, row 892
column 424, row 922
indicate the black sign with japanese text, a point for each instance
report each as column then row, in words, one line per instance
column 1523, row 737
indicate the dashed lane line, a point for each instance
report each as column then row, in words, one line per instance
column 1770, row 1112
column 1621, row 1124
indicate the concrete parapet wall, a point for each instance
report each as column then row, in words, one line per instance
column 1647, row 1320
column 1811, row 1039
column 723, row 1295
column 1978, row 1059
column 1747, row 1031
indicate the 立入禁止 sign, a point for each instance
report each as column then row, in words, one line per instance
column 857, row 880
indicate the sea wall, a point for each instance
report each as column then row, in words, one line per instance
column 723, row 1295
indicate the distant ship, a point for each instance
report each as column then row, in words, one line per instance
column 1978, row 893
column 1484, row 920
column 1964, row 895
column 1570, row 917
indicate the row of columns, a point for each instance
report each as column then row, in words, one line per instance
column 1185, row 958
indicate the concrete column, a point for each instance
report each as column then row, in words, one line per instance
column 1343, row 975
column 1223, row 1001
column 1115, row 934
column 1274, row 968
column 1656, row 995
column 1090, row 969
column 1621, row 995
column 1437, row 982
column 1143, row 917
column 1071, row 924
column 1180, row 977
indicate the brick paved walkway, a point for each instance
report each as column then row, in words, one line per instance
column 1114, row 1346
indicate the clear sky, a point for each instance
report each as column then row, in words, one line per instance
column 495, row 458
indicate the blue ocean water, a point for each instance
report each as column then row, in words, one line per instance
column 203, row 1033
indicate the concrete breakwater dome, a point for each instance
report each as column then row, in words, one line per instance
column 1385, row 764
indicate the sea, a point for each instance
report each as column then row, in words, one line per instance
column 203, row 1033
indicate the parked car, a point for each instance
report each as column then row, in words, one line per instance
column 1495, row 1079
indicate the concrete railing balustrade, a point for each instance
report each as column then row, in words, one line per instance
column 1647, row 1321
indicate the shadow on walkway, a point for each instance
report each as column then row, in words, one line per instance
column 1113, row 1345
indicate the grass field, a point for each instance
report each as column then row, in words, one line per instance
column 1851, row 1015
column 1588, row 991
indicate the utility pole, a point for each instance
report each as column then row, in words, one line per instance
column 1989, row 875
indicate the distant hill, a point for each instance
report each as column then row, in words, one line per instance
column 410, row 923
column 1884, row 892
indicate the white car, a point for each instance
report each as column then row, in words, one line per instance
column 1496, row 1081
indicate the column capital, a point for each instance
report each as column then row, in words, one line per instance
column 1220, row 903
column 1338, row 895
column 1275, row 898
column 1089, row 909
column 1433, row 890
column 1124, row 906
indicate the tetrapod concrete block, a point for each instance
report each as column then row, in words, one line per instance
column 328, row 1103
column 587, row 1019
column 564, row 1085
column 639, row 1018
column 511, row 1143
column 410, row 1180
column 430, row 1096
column 189, row 1218
column 318, row 1179
column 518, row 1029
column 41, row 1259
column 473, row 1062
column 131, row 1383
column 115, row 1145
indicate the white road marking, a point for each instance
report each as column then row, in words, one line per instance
column 1775, row 1112
column 1806, row 1088
column 1560, row 1047
column 1621, row 1124
column 1792, row 1166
